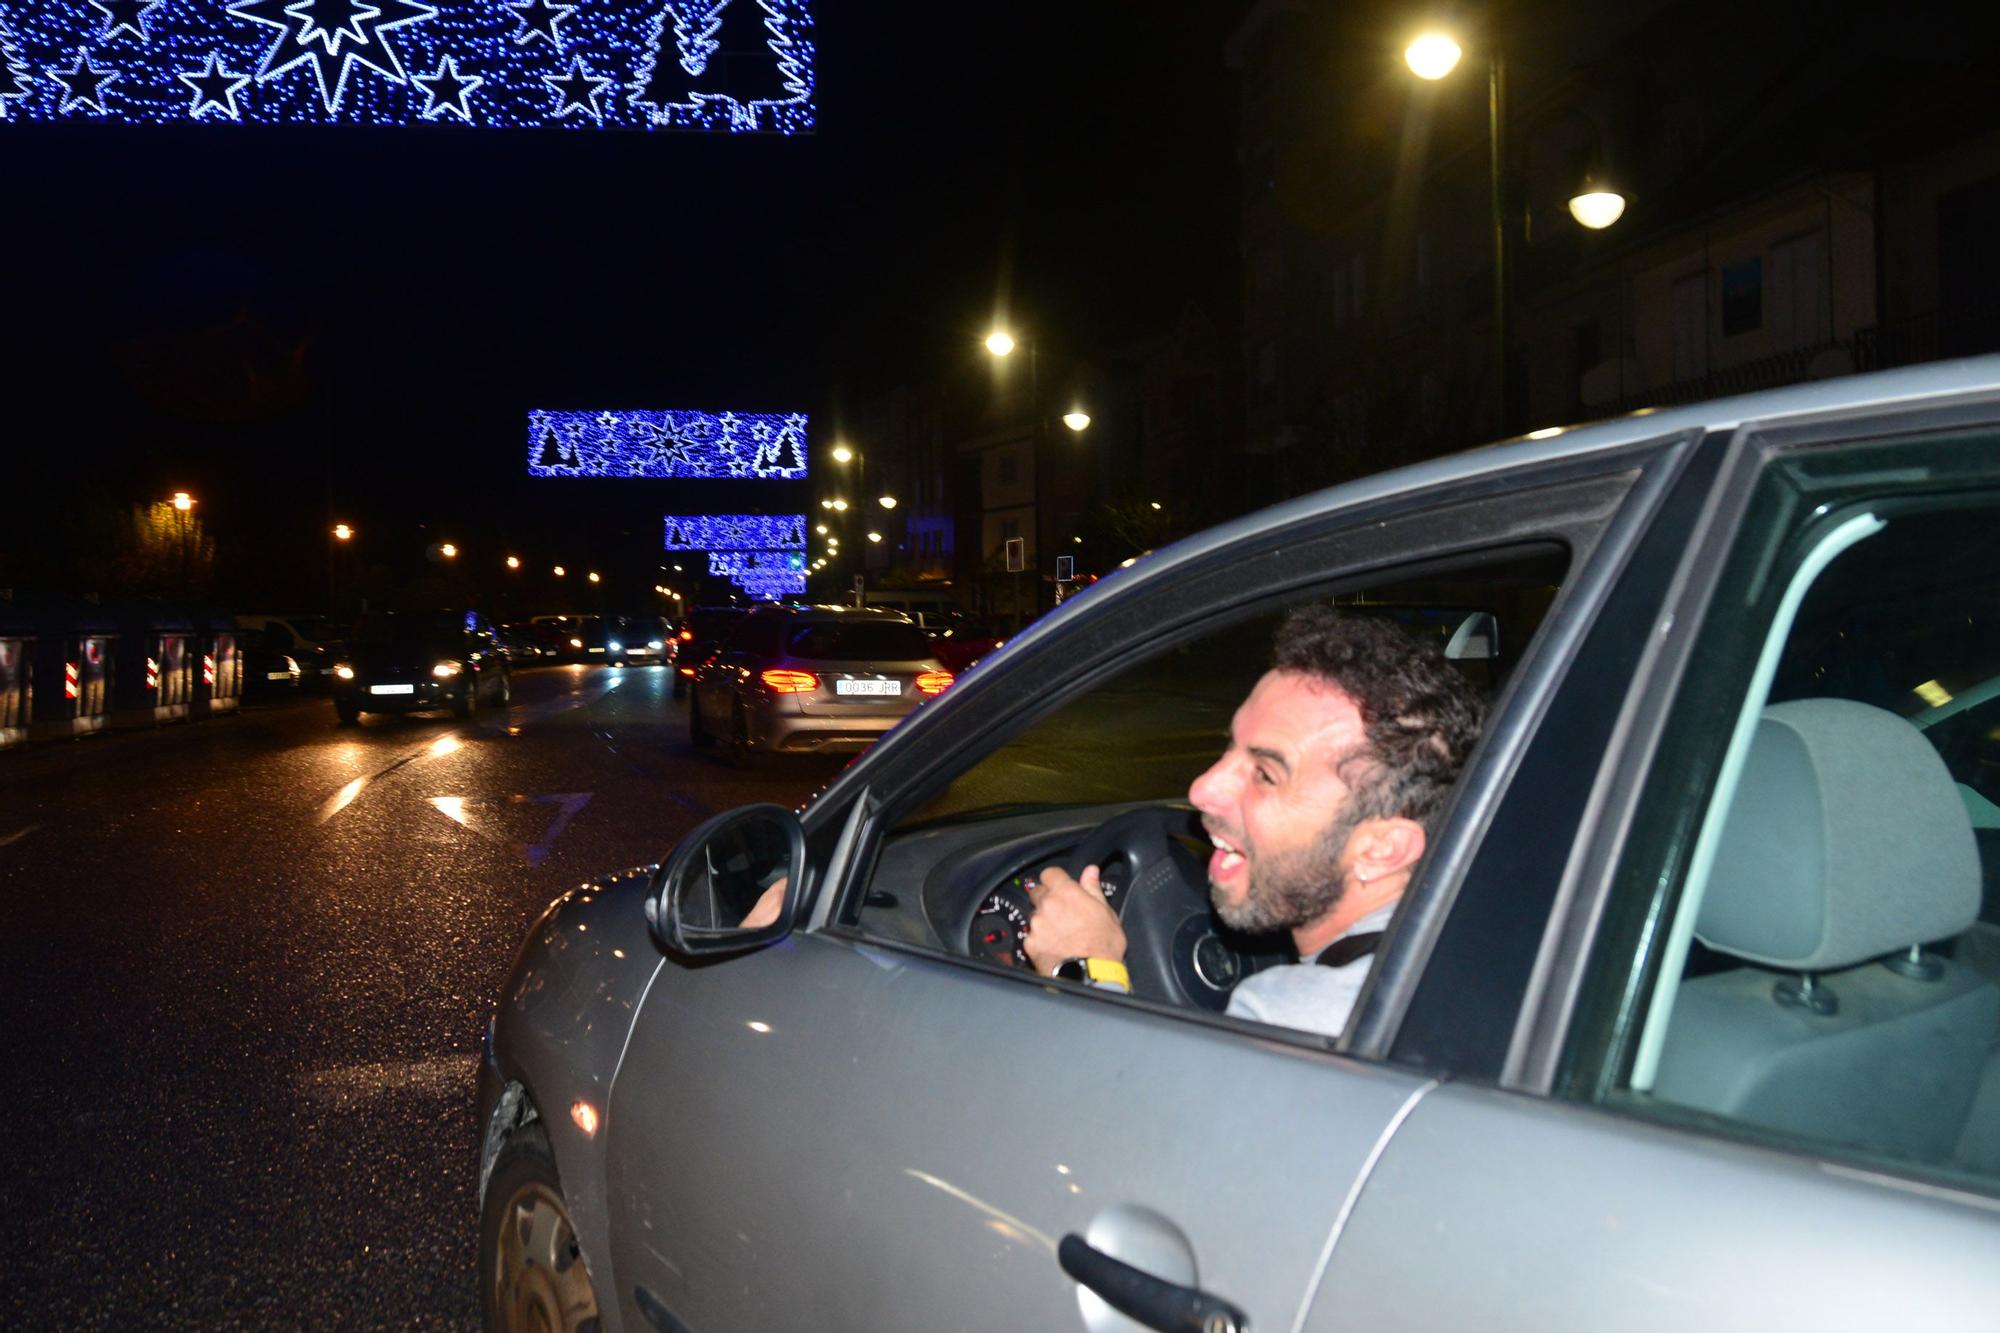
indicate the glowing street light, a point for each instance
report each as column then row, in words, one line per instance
column 1000, row 342
column 1596, row 205
column 842, row 454
column 183, row 501
column 887, row 502
column 594, row 578
column 448, row 551
column 840, row 506
column 1077, row 421
column 820, row 528
column 874, row 536
column 341, row 532
column 1432, row 55
column 560, row 571
column 513, row 562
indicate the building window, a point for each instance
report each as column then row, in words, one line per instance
column 1742, row 297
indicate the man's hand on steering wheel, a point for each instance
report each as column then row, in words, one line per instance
column 1071, row 920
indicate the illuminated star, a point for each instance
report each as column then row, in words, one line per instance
column 83, row 85
column 126, row 15
column 579, row 90
column 538, row 18
column 332, row 21
column 333, row 36
column 214, row 86
column 447, row 90
column 606, row 419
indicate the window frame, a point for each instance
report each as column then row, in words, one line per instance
column 1550, row 1023
column 1586, row 502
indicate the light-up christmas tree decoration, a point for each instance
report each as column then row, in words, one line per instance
column 721, row 65
column 762, row 446
column 16, row 84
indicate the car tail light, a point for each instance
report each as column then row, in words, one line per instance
column 687, row 671
column 934, row 682
column 780, row 680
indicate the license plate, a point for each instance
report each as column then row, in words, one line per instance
column 277, row 675
column 392, row 689
column 892, row 688
column 638, row 652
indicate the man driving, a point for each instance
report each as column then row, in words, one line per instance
column 1320, row 808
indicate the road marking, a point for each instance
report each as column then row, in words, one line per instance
column 455, row 808
column 441, row 1074
column 17, row 835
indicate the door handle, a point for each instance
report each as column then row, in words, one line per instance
column 1152, row 1301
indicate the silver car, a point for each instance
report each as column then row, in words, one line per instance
column 1690, row 1018
column 807, row 680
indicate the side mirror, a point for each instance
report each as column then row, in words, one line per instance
column 721, row 874
column 1477, row 639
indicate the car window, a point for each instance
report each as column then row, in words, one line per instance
column 1136, row 740
column 1804, row 943
column 858, row 641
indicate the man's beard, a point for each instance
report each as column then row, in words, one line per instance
column 1289, row 889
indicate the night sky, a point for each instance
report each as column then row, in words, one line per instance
column 296, row 322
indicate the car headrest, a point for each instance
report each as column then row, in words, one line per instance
column 1847, row 840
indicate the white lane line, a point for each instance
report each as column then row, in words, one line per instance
column 437, row 1074
column 17, row 835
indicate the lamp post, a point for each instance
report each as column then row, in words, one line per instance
column 1596, row 205
column 341, row 535
column 1000, row 344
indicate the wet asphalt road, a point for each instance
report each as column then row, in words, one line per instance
column 247, row 966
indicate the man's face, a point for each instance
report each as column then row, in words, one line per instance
column 1275, row 804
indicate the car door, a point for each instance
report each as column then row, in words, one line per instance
column 1689, row 1122
column 862, row 1127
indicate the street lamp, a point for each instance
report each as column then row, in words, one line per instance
column 594, row 578
column 342, row 532
column 1077, row 421
column 560, row 571
column 513, row 562
column 448, row 551
column 183, row 501
column 1000, row 342
column 1434, row 55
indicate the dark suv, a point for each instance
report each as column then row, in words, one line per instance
column 700, row 635
column 414, row 661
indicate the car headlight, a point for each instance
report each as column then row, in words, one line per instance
column 446, row 670
column 615, row 646
column 656, row 644
column 344, row 671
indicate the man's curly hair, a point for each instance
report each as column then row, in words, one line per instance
column 1421, row 716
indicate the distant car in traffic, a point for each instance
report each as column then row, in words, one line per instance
column 806, row 680
column 417, row 661
column 1686, row 1018
column 700, row 633
column 313, row 641
column 637, row 640
column 528, row 642
column 269, row 672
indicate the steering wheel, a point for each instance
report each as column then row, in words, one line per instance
column 1160, row 893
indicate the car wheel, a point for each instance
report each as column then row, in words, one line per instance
column 467, row 703
column 506, row 688
column 347, row 711
column 531, row 1272
column 698, row 733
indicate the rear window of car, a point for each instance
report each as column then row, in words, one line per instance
column 859, row 641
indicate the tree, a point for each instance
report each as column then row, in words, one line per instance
column 695, row 24
column 165, row 553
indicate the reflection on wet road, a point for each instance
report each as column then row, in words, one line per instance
column 248, row 968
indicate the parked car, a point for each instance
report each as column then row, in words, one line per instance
column 1687, row 1018
column 419, row 661
column 812, row 680
column 313, row 641
column 700, row 635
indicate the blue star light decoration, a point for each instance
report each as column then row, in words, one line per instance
column 730, row 66
column 770, row 586
column 736, row 532
column 730, row 564
column 758, row 446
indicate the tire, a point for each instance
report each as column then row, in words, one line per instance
column 531, row 1273
column 466, row 704
column 506, row 688
column 347, row 711
column 698, row 733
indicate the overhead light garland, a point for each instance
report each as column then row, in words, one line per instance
column 736, row 532
column 760, row 446
column 734, row 66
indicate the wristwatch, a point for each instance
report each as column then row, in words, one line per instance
column 1099, row 973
